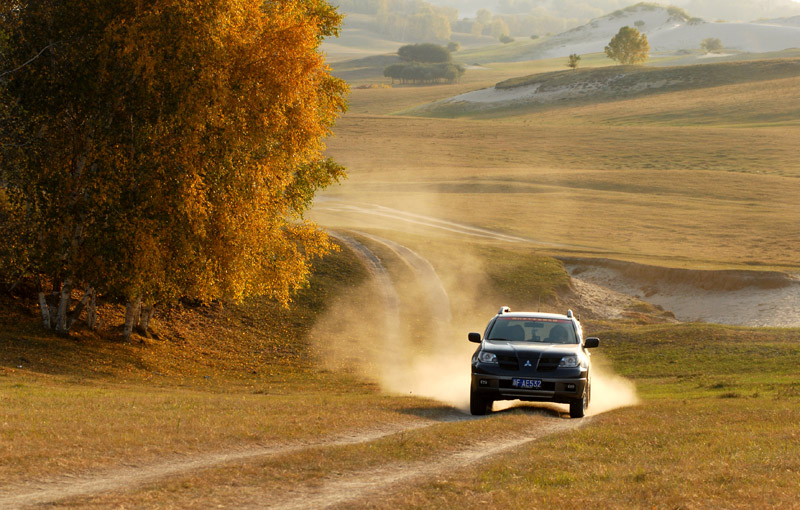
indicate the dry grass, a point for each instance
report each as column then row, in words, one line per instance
column 717, row 190
column 718, row 433
column 740, row 453
column 719, row 424
column 718, row 429
column 214, row 378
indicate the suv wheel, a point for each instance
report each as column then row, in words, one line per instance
column 577, row 408
column 478, row 405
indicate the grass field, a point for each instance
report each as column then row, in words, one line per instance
column 695, row 178
column 716, row 426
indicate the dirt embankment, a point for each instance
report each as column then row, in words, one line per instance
column 735, row 297
column 717, row 280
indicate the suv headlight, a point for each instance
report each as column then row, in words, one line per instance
column 572, row 361
column 487, row 357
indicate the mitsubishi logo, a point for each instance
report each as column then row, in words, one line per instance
column 527, row 363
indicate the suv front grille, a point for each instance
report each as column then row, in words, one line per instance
column 508, row 362
column 548, row 364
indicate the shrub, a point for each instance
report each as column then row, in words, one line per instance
column 424, row 52
column 711, row 45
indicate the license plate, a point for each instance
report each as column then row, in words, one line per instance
column 527, row 384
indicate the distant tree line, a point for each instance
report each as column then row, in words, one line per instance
column 424, row 63
column 419, row 20
column 424, row 52
column 418, row 73
column 405, row 20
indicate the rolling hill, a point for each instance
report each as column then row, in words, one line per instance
column 671, row 30
column 606, row 84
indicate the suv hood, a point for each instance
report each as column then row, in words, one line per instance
column 532, row 349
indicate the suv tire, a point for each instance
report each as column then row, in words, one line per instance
column 577, row 407
column 478, row 405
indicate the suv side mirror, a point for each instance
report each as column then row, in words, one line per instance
column 592, row 341
column 474, row 338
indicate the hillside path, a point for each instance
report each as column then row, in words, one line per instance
column 347, row 489
column 136, row 475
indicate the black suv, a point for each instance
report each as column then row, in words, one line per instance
column 536, row 357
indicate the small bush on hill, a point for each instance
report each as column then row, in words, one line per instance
column 711, row 45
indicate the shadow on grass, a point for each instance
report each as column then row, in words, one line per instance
column 442, row 413
column 445, row 413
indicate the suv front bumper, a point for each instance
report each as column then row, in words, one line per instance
column 561, row 390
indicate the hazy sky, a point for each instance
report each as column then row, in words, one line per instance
column 711, row 10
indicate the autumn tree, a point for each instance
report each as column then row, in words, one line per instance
column 629, row 46
column 164, row 148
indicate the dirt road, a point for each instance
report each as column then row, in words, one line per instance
column 335, row 489
column 362, row 485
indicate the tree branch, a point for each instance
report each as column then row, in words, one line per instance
column 29, row 61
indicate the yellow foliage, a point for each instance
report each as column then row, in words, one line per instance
column 176, row 143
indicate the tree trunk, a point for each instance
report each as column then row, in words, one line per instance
column 91, row 314
column 144, row 319
column 132, row 311
column 75, row 315
column 45, row 310
column 63, row 306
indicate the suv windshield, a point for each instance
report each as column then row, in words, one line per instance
column 531, row 329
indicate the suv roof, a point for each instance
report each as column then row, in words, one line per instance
column 506, row 311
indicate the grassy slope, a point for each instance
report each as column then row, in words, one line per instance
column 214, row 379
column 718, row 422
column 711, row 170
column 717, row 425
column 717, row 429
column 615, row 83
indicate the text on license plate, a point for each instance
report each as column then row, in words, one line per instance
column 528, row 384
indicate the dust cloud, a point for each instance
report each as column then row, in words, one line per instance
column 405, row 330
column 406, row 327
column 610, row 391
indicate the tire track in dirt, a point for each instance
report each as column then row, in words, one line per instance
column 136, row 475
column 428, row 280
column 391, row 300
column 425, row 273
column 379, row 211
column 342, row 490
column 348, row 489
